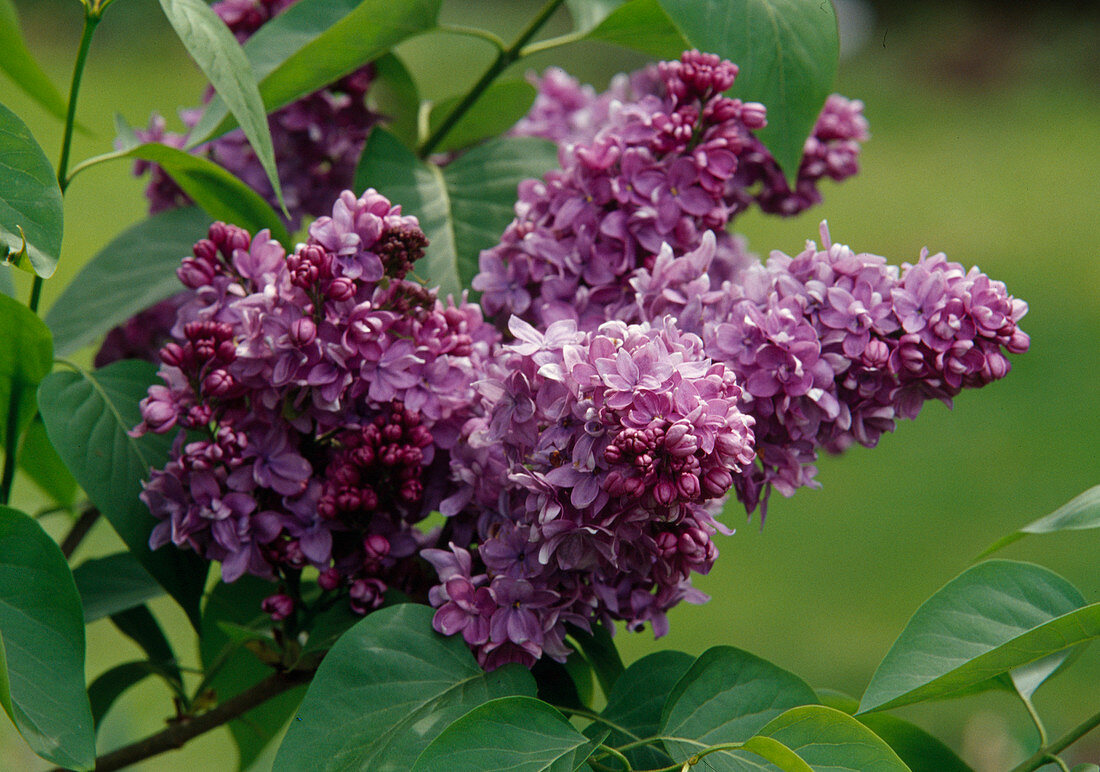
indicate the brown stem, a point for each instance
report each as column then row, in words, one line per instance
column 179, row 731
column 79, row 530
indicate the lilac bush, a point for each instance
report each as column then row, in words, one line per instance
column 438, row 507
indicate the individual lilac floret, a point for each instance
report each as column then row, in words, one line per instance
column 322, row 394
column 831, row 346
column 611, row 451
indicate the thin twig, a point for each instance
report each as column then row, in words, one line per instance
column 79, row 530
column 180, row 731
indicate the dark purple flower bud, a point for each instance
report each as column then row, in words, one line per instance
column 218, row 383
column 303, row 331
column 376, row 547
column 279, row 606
column 329, row 579
column 340, row 289
column 366, row 595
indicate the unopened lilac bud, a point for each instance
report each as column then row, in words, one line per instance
column 279, row 606
column 376, row 546
column 366, row 594
column 688, row 486
column 173, row 354
column 194, row 273
column 340, row 289
column 754, row 115
column 218, row 383
column 716, row 482
column 329, row 579
column 303, row 331
column 664, row 492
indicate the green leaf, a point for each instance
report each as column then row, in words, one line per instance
column 316, row 42
column 222, row 195
column 827, row 739
column 219, row 56
column 26, row 355
column 135, row 271
column 42, row 645
column 393, row 94
column 87, row 418
column 599, row 649
column 920, row 751
column 495, row 111
column 21, row 66
column 112, row 684
column 237, row 668
column 787, row 51
column 113, row 584
column 387, row 688
column 1082, row 513
column 509, row 734
column 1086, row 768
column 31, row 216
column 139, row 625
column 636, row 702
column 992, row 618
column 463, row 207
column 588, row 13
column 7, row 285
column 642, row 25
column 726, row 696
column 40, row 462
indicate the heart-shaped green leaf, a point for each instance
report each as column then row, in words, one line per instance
column 40, row 462
column 42, row 645
column 509, row 734
column 463, row 207
column 727, row 696
column 31, row 216
column 387, row 688
column 219, row 56
column 823, row 738
column 88, row 416
column 994, row 617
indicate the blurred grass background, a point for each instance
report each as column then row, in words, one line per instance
column 985, row 126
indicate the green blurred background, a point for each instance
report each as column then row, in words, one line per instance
column 985, row 124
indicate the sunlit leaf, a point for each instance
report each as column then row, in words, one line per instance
column 825, row 739
column 31, row 216
column 316, row 42
column 1079, row 514
column 219, row 56
column 992, row 618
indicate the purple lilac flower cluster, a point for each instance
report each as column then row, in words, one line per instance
column 599, row 460
column 322, row 393
column 831, row 346
column 317, row 139
column 567, row 112
column 658, row 172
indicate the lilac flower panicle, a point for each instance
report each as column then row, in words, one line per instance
column 613, row 447
column 832, row 346
column 661, row 158
column 322, row 393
